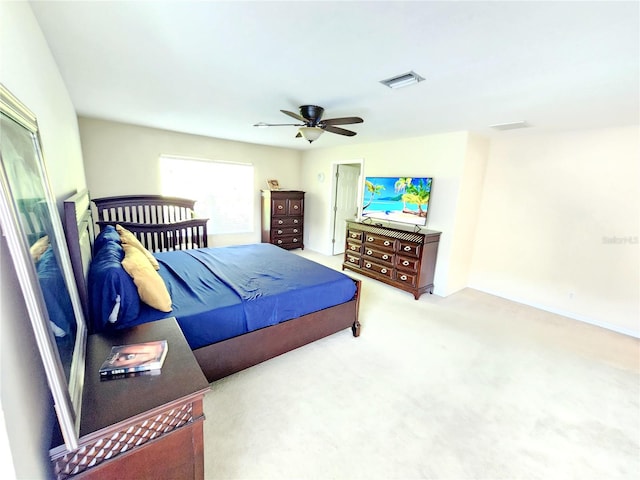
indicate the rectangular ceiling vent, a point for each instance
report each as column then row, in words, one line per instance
column 510, row 126
column 403, row 80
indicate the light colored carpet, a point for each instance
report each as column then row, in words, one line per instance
column 465, row 387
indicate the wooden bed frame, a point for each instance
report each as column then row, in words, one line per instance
column 160, row 223
column 224, row 358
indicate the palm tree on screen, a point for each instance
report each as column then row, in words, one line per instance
column 373, row 189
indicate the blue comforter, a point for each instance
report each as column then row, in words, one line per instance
column 219, row 293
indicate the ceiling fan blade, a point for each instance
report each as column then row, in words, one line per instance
column 294, row 115
column 338, row 130
column 342, row 121
column 262, row 124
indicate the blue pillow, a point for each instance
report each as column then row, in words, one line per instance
column 56, row 296
column 107, row 234
column 108, row 283
column 58, row 302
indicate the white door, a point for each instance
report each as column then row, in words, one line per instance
column 345, row 205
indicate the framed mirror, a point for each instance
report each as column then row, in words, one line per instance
column 30, row 221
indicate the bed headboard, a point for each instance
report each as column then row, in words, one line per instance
column 160, row 223
column 79, row 233
column 177, row 232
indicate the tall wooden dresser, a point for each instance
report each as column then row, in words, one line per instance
column 400, row 258
column 283, row 218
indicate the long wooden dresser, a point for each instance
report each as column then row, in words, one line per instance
column 401, row 258
column 283, row 218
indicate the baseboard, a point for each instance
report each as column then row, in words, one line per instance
column 564, row 313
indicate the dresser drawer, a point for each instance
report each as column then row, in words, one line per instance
column 373, row 240
column 279, row 231
column 380, row 256
column 279, row 207
column 352, row 259
column 288, row 242
column 409, row 248
column 354, row 235
column 380, row 269
column 286, row 221
column 407, row 264
column 295, row 206
column 406, row 278
column 354, row 246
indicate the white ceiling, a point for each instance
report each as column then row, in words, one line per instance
column 215, row 68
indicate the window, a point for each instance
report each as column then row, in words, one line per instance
column 223, row 190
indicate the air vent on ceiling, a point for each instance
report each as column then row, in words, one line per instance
column 510, row 126
column 402, row 80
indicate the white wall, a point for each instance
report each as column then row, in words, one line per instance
column 445, row 157
column 466, row 213
column 28, row 70
column 122, row 159
column 552, row 205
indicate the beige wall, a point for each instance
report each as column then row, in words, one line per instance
column 122, row 159
column 28, row 70
column 528, row 216
column 551, row 205
column 445, row 157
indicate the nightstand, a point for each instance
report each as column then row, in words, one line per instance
column 145, row 426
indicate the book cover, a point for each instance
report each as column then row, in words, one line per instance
column 136, row 357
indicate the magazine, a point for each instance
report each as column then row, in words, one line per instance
column 136, row 357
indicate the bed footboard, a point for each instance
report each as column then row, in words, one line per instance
column 235, row 354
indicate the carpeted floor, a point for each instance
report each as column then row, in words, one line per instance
column 465, row 387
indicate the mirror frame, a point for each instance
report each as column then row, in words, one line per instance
column 67, row 394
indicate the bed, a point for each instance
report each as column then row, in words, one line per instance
column 237, row 306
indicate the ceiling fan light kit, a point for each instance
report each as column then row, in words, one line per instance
column 310, row 133
column 313, row 125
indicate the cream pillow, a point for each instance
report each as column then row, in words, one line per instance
column 39, row 247
column 126, row 237
column 149, row 283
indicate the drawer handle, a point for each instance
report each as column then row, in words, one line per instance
column 384, row 270
column 353, row 247
column 385, row 257
column 370, row 239
column 280, row 207
column 279, row 241
column 368, row 265
column 354, row 235
column 387, row 243
column 280, row 222
column 403, row 277
column 407, row 248
column 280, row 232
column 295, row 207
column 295, row 240
column 295, row 230
column 295, row 220
column 405, row 263
column 369, row 252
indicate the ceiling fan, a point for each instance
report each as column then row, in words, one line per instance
column 313, row 125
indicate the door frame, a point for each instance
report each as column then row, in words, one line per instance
column 334, row 189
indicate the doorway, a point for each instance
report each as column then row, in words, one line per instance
column 346, row 200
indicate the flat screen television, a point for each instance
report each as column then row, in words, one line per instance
column 397, row 199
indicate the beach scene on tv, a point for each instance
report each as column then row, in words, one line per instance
column 397, row 199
